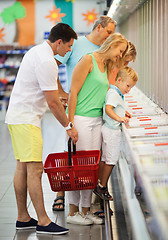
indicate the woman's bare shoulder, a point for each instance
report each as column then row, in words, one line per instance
column 87, row 62
column 86, row 58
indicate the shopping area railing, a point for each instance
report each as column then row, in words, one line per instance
column 108, row 223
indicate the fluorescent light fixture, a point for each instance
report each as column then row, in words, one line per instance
column 115, row 4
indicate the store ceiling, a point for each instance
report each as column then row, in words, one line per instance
column 126, row 8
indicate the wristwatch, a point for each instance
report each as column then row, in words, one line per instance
column 70, row 125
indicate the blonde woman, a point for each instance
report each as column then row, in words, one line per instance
column 88, row 89
column 130, row 56
column 102, row 29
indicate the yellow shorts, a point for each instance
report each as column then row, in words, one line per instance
column 27, row 142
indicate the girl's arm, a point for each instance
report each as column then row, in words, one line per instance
column 110, row 112
column 80, row 72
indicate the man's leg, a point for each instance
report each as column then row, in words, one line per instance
column 20, row 186
column 34, row 174
column 58, row 204
column 28, row 176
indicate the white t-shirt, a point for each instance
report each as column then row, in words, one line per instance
column 115, row 100
column 38, row 72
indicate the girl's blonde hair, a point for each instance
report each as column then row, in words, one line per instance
column 114, row 39
column 127, row 72
column 131, row 51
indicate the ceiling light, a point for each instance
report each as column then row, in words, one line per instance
column 113, row 7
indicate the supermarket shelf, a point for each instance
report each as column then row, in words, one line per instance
column 9, row 66
column 136, row 218
column 145, row 151
column 158, row 206
column 13, row 51
column 10, row 60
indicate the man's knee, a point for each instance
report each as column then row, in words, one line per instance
column 34, row 169
column 21, row 167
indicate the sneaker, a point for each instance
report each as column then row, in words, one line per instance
column 103, row 193
column 94, row 218
column 79, row 218
column 26, row 225
column 52, row 228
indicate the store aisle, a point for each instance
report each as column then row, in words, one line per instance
column 53, row 142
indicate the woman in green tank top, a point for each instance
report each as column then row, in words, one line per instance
column 88, row 89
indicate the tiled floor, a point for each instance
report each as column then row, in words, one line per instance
column 53, row 142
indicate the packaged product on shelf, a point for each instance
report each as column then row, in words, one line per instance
column 160, row 188
column 145, row 121
column 148, row 131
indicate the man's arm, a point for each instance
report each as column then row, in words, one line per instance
column 58, row 111
column 62, row 94
column 61, row 91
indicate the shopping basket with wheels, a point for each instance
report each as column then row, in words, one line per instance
column 75, row 170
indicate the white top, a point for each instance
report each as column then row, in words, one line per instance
column 114, row 99
column 38, row 72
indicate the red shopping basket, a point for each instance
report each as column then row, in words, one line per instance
column 69, row 171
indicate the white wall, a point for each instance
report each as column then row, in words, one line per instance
column 147, row 28
column 80, row 7
column 42, row 24
column 9, row 28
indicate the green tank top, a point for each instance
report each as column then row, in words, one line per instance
column 92, row 94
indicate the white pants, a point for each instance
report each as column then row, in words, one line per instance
column 111, row 145
column 89, row 133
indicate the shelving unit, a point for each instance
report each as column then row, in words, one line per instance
column 10, row 60
column 63, row 76
column 9, row 63
column 145, row 154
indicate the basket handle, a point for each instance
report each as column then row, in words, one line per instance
column 69, row 151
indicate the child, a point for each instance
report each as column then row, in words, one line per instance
column 114, row 115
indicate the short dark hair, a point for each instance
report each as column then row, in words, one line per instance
column 62, row 31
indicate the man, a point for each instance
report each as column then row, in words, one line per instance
column 102, row 29
column 34, row 88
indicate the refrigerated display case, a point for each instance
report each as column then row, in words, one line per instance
column 144, row 164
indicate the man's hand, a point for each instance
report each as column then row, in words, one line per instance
column 72, row 133
column 65, row 95
column 64, row 99
column 64, row 102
